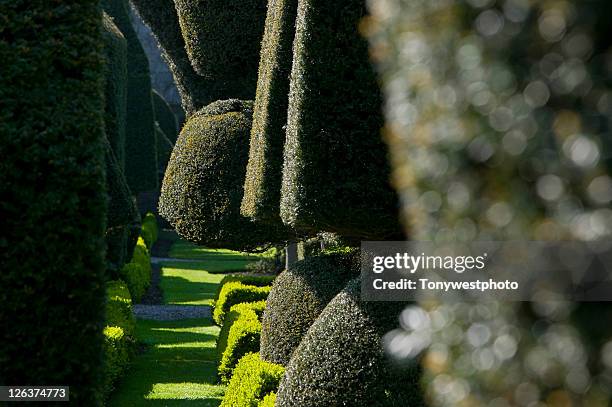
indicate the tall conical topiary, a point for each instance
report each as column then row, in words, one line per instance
column 203, row 185
column 222, row 39
column 115, row 50
column 53, row 207
column 141, row 157
column 262, row 185
column 335, row 173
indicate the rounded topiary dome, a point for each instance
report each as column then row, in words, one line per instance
column 341, row 361
column 203, row 185
column 297, row 298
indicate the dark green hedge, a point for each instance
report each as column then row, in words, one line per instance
column 140, row 148
column 222, row 39
column 335, row 174
column 53, row 202
column 253, row 381
column 164, row 151
column 115, row 50
column 297, row 298
column 261, row 199
column 204, row 180
column 165, row 117
column 341, row 362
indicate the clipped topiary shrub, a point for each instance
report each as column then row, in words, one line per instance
column 222, row 39
column 119, row 307
column 262, row 185
column 140, row 148
column 335, row 172
column 137, row 273
column 165, row 117
column 115, row 50
column 164, row 151
column 341, row 361
column 239, row 335
column 253, row 383
column 204, row 180
column 116, row 357
column 53, row 206
column 247, row 279
column 234, row 293
column 149, row 230
column 297, row 298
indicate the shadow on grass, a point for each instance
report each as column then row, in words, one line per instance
column 180, row 290
column 176, row 368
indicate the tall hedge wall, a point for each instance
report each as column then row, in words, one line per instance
column 53, row 196
column 165, row 117
column 115, row 50
column 261, row 199
column 335, row 174
column 141, row 157
column 223, row 39
column 203, row 185
column 341, row 361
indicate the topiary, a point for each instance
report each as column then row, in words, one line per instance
column 268, row 400
column 340, row 361
column 115, row 50
column 203, row 185
column 298, row 296
column 236, row 292
column 53, row 206
column 222, row 40
column 150, row 229
column 261, row 198
column 164, row 151
column 247, row 279
column 137, row 273
column 165, row 117
column 335, row 172
column 253, row 383
column 116, row 357
column 140, row 149
column 119, row 307
column 239, row 335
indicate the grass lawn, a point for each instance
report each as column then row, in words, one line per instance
column 178, row 365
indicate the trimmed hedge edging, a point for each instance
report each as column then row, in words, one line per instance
column 253, row 383
column 239, row 335
column 247, row 279
column 234, row 293
column 137, row 273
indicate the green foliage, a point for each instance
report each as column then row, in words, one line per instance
column 115, row 50
column 137, row 273
column 119, row 307
column 140, row 148
column 222, row 40
column 340, row 361
column 116, row 356
column 203, row 185
column 149, row 230
column 165, row 117
column 247, row 279
column 236, row 292
column 239, row 335
column 268, row 400
column 53, row 205
column 297, row 298
column 196, row 91
column 263, row 178
column 335, row 174
column 253, row 383
column 164, row 151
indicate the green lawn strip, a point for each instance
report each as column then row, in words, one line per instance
column 186, row 250
column 177, row 367
column 189, row 283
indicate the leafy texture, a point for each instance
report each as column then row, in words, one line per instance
column 247, row 279
column 341, row 361
column 253, row 381
column 262, row 185
column 298, row 296
column 164, row 151
column 222, row 39
column 335, row 173
column 203, row 185
column 53, row 207
column 140, row 149
column 234, row 293
column 137, row 273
